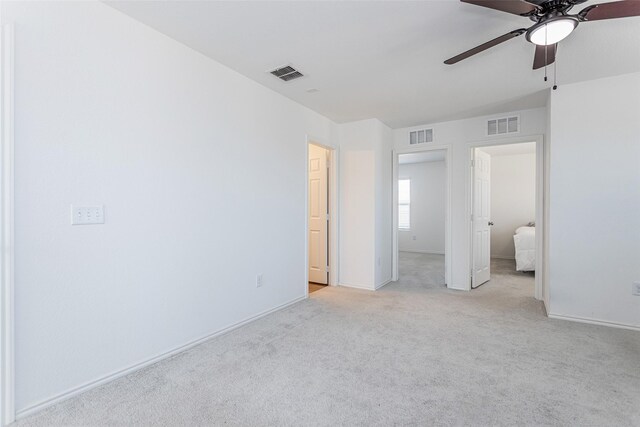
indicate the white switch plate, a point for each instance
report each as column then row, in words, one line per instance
column 636, row 289
column 81, row 215
column 258, row 280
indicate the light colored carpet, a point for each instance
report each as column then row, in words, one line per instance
column 410, row 354
column 424, row 270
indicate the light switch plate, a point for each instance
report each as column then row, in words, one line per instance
column 636, row 289
column 83, row 215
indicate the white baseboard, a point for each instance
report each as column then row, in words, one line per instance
column 366, row 288
column 383, row 284
column 422, row 252
column 349, row 285
column 137, row 366
column 595, row 322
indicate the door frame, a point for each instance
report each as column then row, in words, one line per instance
column 333, row 208
column 541, row 205
column 447, row 216
column 7, row 319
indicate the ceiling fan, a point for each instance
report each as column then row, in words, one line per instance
column 552, row 23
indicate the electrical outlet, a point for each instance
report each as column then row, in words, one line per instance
column 82, row 215
column 636, row 289
column 258, row 280
column 413, row 238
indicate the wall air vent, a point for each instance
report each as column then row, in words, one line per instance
column 420, row 136
column 286, row 73
column 503, row 125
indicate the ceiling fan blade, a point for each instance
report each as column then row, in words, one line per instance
column 616, row 9
column 485, row 46
column 539, row 57
column 517, row 7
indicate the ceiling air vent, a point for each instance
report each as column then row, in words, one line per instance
column 420, row 136
column 286, row 73
column 503, row 125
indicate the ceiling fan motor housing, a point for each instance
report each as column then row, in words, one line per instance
column 551, row 29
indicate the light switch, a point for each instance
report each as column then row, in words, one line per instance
column 81, row 215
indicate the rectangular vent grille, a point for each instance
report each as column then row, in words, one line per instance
column 503, row 125
column 420, row 136
column 286, row 73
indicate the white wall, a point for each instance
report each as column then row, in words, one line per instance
column 428, row 207
column 365, row 201
column 595, row 200
column 459, row 135
column 357, row 205
column 513, row 199
column 200, row 170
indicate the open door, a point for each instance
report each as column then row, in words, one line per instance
column 318, row 215
column 481, row 219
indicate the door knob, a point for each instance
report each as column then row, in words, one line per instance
column 490, row 222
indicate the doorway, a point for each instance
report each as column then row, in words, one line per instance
column 421, row 217
column 320, row 181
column 506, row 206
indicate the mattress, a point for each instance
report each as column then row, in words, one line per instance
column 525, row 243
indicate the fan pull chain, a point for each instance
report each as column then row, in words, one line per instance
column 545, row 52
column 555, row 74
column 545, row 63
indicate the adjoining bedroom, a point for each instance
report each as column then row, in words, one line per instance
column 504, row 216
column 422, row 205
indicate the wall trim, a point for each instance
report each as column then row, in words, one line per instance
column 363, row 287
column 592, row 321
column 383, row 284
column 417, row 251
column 7, row 319
column 145, row 363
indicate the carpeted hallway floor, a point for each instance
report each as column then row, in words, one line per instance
column 413, row 353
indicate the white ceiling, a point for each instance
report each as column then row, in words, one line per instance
column 422, row 157
column 385, row 59
column 510, row 149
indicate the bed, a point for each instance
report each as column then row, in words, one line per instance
column 525, row 243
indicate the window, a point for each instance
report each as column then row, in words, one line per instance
column 404, row 204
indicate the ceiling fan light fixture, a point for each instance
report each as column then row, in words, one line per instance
column 551, row 31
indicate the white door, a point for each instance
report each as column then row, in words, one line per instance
column 318, row 214
column 481, row 218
